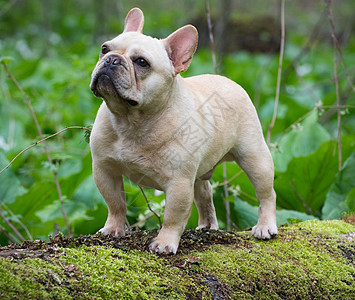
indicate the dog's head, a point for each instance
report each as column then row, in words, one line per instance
column 137, row 71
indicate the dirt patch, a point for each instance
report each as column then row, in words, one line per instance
column 191, row 240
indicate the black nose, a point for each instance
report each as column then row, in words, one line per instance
column 112, row 61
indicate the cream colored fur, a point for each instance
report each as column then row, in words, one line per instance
column 167, row 132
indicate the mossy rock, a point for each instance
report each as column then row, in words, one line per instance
column 309, row 260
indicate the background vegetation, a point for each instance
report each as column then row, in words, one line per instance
column 51, row 47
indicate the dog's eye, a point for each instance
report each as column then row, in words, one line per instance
column 141, row 62
column 104, row 49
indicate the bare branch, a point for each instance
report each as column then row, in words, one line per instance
column 282, row 46
column 209, row 23
column 335, row 71
column 7, row 221
column 40, row 141
column 18, row 221
column 146, row 200
column 225, row 183
column 328, row 4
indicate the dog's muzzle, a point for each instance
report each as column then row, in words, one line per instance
column 104, row 74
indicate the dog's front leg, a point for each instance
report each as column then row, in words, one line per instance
column 111, row 188
column 179, row 198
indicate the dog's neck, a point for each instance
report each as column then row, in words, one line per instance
column 138, row 122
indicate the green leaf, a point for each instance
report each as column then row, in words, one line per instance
column 6, row 59
column 305, row 184
column 75, row 211
column 286, row 216
column 247, row 215
column 10, row 186
column 341, row 195
column 302, row 140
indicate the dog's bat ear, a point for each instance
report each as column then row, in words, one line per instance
column 181, row 46
column 134, row 20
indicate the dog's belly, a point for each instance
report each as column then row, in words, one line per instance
column 141, row 179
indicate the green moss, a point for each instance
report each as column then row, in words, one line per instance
column 95, row 272
column 326, row 227
column 296, row 264
column 305, row 261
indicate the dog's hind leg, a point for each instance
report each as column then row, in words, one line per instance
column 204, row 203
column 255, row 159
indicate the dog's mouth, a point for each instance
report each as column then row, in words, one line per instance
column 102, row 85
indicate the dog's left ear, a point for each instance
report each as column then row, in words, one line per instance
column 181, row 46
column 134, row 20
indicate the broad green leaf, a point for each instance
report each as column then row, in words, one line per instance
column 247, row 215
column 72, row 164
column 303, row 187
column 38, row 196
column 284, row 216
column 75, row 211
column 10, row 185
column 302, row 140
column 341, row 195
column 88, row 194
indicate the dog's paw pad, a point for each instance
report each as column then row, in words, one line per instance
column 160, row 247
column 115, row 232
column 207, row 226
column 264, row 232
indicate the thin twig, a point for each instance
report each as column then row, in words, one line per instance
column 7, row 221
column 338, row 108
column 209, row 23
column 141, row 221
column 40, row 141
column 18, row 221
column 328, row 4
column 336, row 46
column 146, row 200
column 7, row 7
column 226, row 194
column 282, row 46
column 231, row 179
column 9, row 236
column 225, row 183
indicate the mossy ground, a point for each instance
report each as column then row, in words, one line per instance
column 309, row 260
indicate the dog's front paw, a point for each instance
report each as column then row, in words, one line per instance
column 264, row 231
column 164, row 244
column 112, row 230
column 213, row 226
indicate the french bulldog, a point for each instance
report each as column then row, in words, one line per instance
column 169, row 133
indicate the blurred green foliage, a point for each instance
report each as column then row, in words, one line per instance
column 51, row 47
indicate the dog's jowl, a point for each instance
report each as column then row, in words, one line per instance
column 167, row 132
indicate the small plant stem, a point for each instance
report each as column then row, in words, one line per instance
column 335, row 71
column 11, row 226
column 209, row 23
column 146, row 200
column 225, row 181
column 18, row 221
column 282, row 46
column 329, row 5
column 40, row 141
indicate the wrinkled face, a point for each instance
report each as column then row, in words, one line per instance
column 133, row 71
